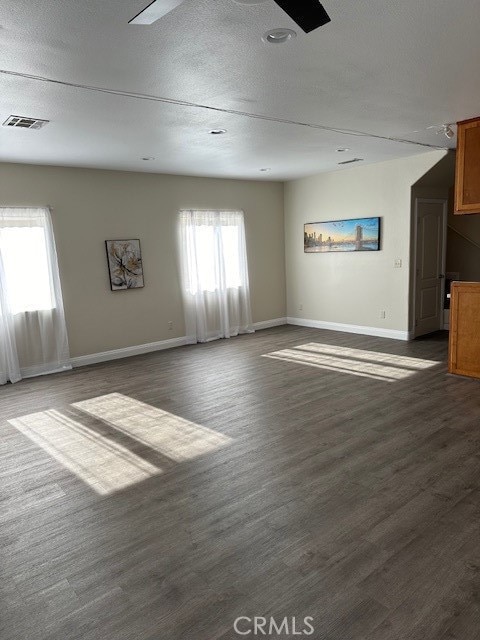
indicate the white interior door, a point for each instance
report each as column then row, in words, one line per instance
column 431, row 231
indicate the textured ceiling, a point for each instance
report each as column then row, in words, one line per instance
column 390, row 69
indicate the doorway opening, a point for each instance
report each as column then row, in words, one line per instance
column 445, row 248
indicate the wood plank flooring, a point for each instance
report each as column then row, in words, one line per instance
column 331, row 487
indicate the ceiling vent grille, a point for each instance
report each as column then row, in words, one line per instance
column 25, row 123
column 350, row 161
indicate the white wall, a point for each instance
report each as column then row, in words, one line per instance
column 353, row 288
column 91, row 206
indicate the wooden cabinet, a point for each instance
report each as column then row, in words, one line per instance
column 467, row 176
column 464, row 346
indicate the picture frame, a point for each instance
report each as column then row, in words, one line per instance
column 125, row 266
column 347, row 235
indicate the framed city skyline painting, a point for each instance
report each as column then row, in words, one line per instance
column 357, row 234
column 124, row 264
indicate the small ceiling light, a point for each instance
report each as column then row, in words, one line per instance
column 447, row 131
column 217, row 132
column 279, row 36
column 266, row 169
column 148, row 158
column 342, row 149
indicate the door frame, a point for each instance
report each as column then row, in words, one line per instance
column 443, row 201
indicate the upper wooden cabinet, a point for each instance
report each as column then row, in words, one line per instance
column 467, row 177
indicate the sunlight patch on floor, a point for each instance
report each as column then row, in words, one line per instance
column 104, row 465
column 385, row 367
column 170, row 435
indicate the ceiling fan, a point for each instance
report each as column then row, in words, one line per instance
column 308, row 14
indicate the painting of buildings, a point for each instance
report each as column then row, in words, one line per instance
column 359, row 234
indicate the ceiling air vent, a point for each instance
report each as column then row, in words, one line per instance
column 24, row 123
column 350, row 161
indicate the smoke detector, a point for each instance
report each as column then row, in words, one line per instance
column 22, row 122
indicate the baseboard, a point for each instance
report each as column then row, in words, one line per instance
column 268, row 324
column 137, row 350
column 126, row 352
column 352, row 328
column 40, row 370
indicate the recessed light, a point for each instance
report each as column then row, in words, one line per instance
column 217, row 132
column 148, row 158
column 279, row 36
column 342, row 149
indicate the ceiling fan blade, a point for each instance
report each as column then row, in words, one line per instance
column 155, row 10
column 308, row 14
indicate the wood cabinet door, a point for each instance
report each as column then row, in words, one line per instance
column 467, row 177
column 464, row 344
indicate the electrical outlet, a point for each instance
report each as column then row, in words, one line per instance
column 170, row 325
column 397, row 263
column 300, row 307
column 382, row 315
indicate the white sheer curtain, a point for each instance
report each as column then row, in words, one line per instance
column 216, row 291
column 33, row 335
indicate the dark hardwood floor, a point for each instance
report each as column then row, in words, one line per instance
column 205, row 483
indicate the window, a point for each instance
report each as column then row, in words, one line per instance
column 216, row 291
column 23, row 251
column 33, row 333
column 206, row 276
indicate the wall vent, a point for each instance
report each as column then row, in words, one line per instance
column 350, row 161
column 24, row 123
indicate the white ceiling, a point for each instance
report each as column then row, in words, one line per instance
column 385, row 68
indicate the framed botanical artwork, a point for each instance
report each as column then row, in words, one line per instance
column 124, row 264
column 358, row 234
